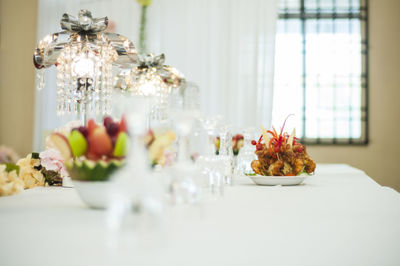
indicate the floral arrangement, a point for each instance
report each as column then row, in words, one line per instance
column 8, row 155
column 52, row 167
column 10, row 182
column 36, row 169
column 237, row 143
column 30, row 171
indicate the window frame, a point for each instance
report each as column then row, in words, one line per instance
column 363, row 15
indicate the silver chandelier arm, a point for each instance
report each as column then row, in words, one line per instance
column 49, row 48
column 127, row 54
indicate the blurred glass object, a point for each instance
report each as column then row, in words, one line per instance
column 246, row 154
column 210, row 123
column 135, row 188
column 213, row 173
column 225, row 154
column 152, row 78
column 185, row 187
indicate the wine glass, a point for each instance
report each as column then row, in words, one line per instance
column 184, row 186
column 246, row 154
column 210, row 123
column 213, row 173
column 225, row 154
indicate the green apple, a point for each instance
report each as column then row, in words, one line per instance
column 121, row 145
column 78, row 143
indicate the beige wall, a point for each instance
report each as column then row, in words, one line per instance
column 17, row 42
column 380, row 159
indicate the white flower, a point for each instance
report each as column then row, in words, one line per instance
column 29, row 175
column 10, row 183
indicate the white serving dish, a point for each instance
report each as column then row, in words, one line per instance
column 278, row 180
column 95, row 194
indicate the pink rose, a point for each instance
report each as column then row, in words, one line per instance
column 51, row 159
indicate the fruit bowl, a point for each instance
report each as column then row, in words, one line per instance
column 95, row 194
column 92, row 180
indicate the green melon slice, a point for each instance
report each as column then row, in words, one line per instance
column 88, row 170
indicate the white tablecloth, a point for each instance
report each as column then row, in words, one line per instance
column 340, row 216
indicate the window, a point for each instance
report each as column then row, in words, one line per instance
column 321, row 72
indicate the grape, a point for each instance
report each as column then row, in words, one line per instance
column 107, row 120
column 84, row 131
column 112, row 129
column 114, row 139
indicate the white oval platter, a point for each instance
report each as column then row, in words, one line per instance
column 278, row 180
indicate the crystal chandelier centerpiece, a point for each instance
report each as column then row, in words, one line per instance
column 84, row 55
column 153, row 79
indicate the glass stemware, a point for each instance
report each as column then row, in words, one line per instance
column 213, row 174
column 210, row 124
column 246, row 154
column 185, row 186
column 225, row 154
column 213, row 166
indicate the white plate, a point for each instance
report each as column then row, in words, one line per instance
column 278, row 180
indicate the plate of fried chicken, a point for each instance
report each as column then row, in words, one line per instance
column 281, row 159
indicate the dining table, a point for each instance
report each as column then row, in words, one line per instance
column 338, row 216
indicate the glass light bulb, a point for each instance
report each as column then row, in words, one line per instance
column 83, row 66
column 148, row 88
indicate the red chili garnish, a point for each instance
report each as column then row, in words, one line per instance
column 253, row 142
column 277, row 149
column 259, row 140
column 277, row 141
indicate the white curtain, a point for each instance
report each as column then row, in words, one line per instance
column 224, row 46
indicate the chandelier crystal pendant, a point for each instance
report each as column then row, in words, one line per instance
column 84, row 56
column 153, row 79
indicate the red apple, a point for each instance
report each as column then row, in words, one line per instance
column 91, row 126
column 60, row 142
column 92, row 156
column 122, row 125
column 99, row 142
